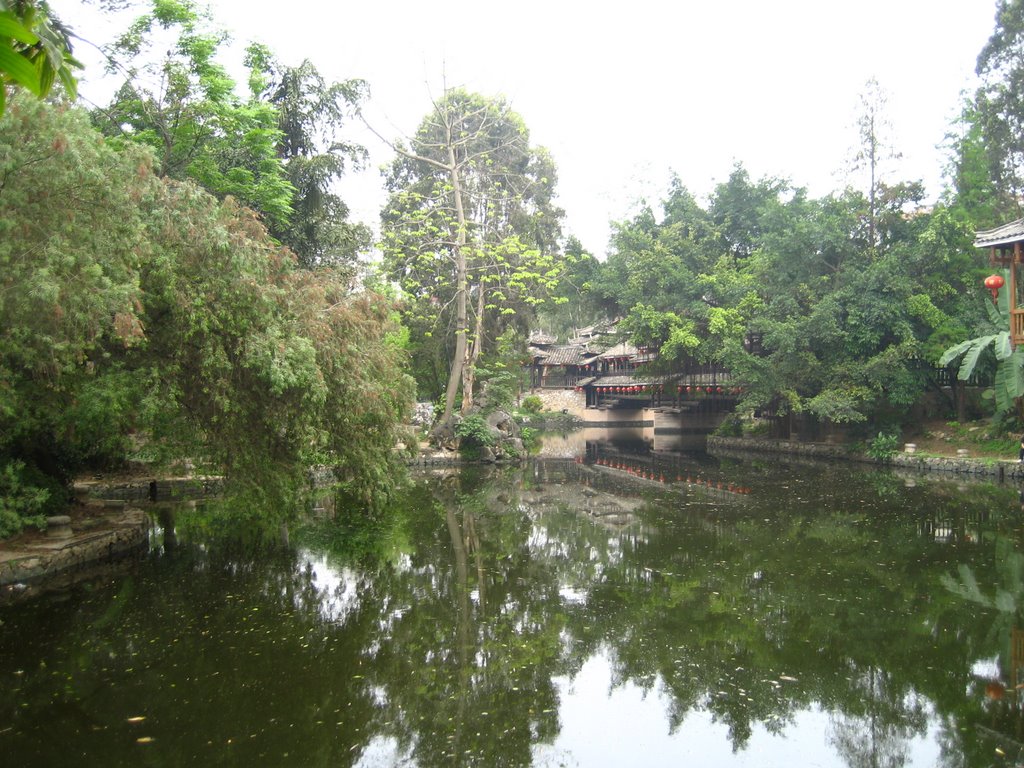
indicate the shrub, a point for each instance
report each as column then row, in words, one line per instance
column 532, row 404
column 883, row 446
column 474, row 432
column 530, row 438
column 21, row 502
column 731, row 426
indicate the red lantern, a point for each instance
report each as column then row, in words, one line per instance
column 994, row 283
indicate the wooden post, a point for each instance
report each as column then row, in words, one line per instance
column 1013, row 277
column 1012, row 298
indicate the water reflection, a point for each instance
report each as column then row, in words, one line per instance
column 711, row 610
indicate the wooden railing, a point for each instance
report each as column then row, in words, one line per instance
column 1017, row 326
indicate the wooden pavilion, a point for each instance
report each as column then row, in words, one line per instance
column 1006, row 250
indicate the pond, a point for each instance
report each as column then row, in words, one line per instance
column 619, row 608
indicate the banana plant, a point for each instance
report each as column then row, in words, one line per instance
column 1009, row 379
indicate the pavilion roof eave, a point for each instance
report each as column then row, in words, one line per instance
column 1006, row 234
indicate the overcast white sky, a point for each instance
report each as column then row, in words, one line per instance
column 622, row 94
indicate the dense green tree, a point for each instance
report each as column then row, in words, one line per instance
column 185, row 106
column 311, row 115
column 72, row 240
column 973, row 193
column 847, row 301
column 999, row 104
column 574, row 306
column 470, row 229
column 842, row 310
column 657, row 261
column 141, row 315
column 739, row 207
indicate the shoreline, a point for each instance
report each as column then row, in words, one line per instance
column 29, row 561
column 999, row 469
column 109, row 526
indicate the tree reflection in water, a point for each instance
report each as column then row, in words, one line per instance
column 736, row 600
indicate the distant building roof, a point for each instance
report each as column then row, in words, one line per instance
column 541, row 338
column 591, row 332
column 568, row 355
column 1003, row 235
column 625, row 349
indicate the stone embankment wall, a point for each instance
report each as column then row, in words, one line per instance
column 962, row 466
column 559, row 400
column 164, row 489
column 32, row 560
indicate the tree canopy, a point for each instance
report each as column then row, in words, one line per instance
column 141, row 317
column 470, row 225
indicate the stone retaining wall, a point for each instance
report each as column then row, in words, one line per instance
column 1004, row 469
column 114, row 529
column 45, row 558
column 558, row 400
column 164, row 489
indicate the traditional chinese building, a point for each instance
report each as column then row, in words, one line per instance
column 1006, row 250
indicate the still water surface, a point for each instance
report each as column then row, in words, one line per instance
column 623, row 608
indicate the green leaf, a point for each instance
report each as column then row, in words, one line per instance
column 953, row 353
column 11, row 26
column 971, row 358
column 1005, row 387
column 45, row 74
column 1003, row 348
column 19, row 69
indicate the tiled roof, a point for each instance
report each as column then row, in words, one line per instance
column 571, row 355
column 593, row 332
column 625, row 349
column 1004, row 235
